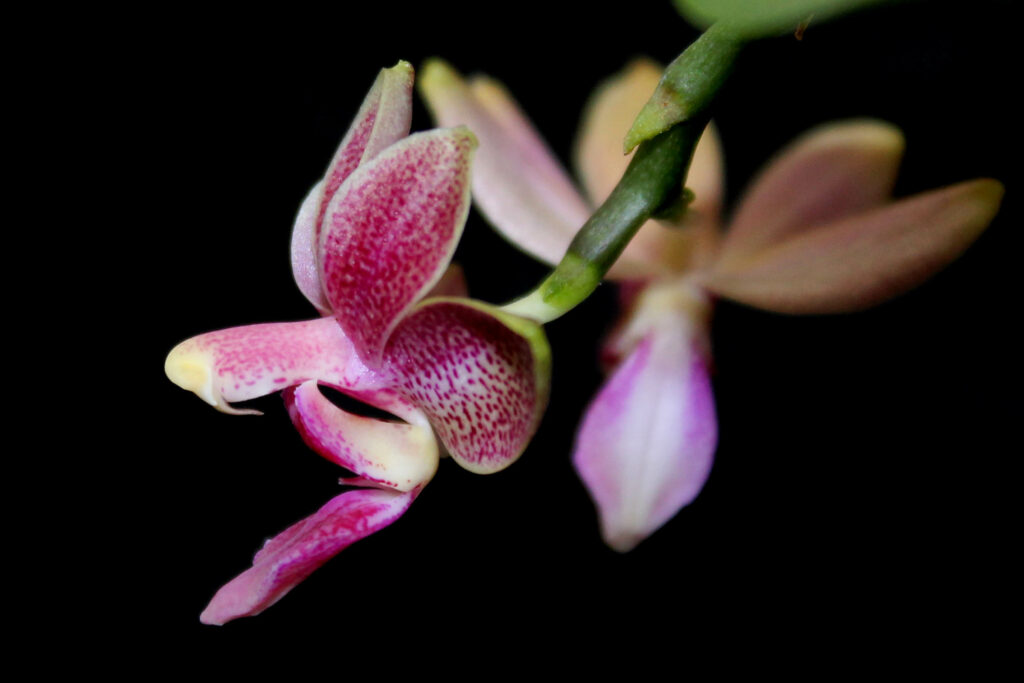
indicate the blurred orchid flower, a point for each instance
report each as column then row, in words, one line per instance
column 369, row 250
column 817, row 232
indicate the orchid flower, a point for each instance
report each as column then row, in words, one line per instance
column 370, row 247
column 817, row 232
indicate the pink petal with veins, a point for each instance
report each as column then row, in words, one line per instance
column 481, row 377
column 517, row 182
column 391, row 229
column 390, row 454
column 242, row 363
column 295, row 553
column 646, row 444
column 859, row 261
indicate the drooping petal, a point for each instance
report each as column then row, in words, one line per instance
column 646, row 444
column 297, row 552
column 828, row 173
column 382, row 119
column 481, row 376
column 393, row 455
column 857, row 262
column 242, row 363
column 391, row 229
column 517, row 183
column 304, row 268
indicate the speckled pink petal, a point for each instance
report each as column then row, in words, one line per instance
column 392, row 455
column 829, row 173
column 517, row 183
column 241, row 363
column 480, row 375
column 382, row 120
column 646, row 444
column 297, row 552
column 304, row 267
column 391, row 229
column 860, row 261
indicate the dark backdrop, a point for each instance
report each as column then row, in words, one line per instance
column 863, row 468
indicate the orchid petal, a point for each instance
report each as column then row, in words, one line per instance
column 242, row 363
column 646, row 444
column 304, row 268
column 383, row 119
column 857, row 262
column 481, row 376
column 829, row 173
column 389, row 454
column 295, row 553
column 390, row 231
column 517, row 183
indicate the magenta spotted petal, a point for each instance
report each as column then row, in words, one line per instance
column 242, row 363
column 295, row 553
column 480, row 375
column 391, row 229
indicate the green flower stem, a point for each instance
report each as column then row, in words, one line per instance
column 653, row 181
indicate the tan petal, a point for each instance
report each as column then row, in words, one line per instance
column 606, row 119
column 826, row 174
column 857, row 262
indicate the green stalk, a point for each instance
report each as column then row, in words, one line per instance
column 653, row 181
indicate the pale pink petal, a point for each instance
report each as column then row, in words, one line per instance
column 646, row 444
column 480, row 375
column 393, row 455
column 862, row 260
column 383, row 119
column 304, row 268
column 390, row 231
column 241, row 363
column 826, row 174
column 517, row 183
column 298, row 551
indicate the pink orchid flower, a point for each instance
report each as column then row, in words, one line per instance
column 817, row 232
column 370, row 247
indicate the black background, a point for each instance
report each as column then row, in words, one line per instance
column 863, row 472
